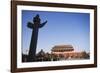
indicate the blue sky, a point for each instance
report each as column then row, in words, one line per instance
column 62, row 28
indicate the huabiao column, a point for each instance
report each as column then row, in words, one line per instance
column 35, row 25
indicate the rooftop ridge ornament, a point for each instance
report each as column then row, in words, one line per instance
column 33, row 44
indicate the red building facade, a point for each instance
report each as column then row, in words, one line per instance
column 68, row 52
